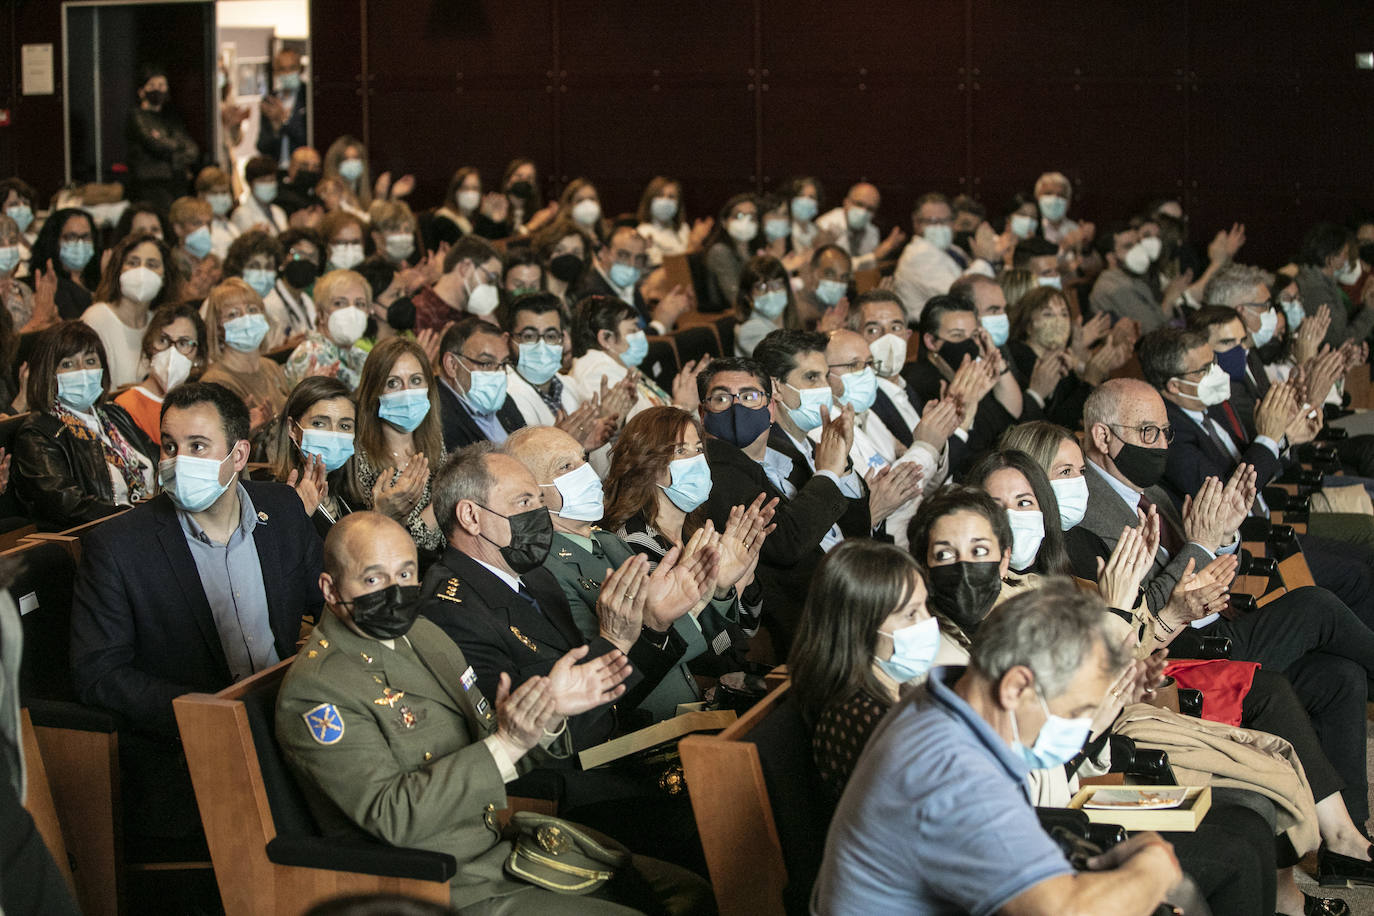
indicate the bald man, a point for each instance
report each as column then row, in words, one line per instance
column 851, row 225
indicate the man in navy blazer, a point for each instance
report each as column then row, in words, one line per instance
column 473, row 404
column 281, row 123
column 206, row 583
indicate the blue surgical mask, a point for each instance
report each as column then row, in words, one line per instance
column 939, row 236
column 639, row 348
column 220, row 203
column 913, row 650
column 691, row 482
column 1023, row 226
column 860, row 389
column 76, row 255
column 1059, row 740
column 1052, row 206
column 771, row 303
column 807, row 414
column 334, row 448
column 583, row 498
column 1053, row 281
column 777, row 228
column 1293, row 313
column 246, row 332
column 830, row 292
column 80, row 389
column 804, row 209
column 199, row 242
column 260, row 279
column 1269, row 322
column 624, row 275
column 265, row 191
column 857, row 218
column 998, row 328
column 486, row 391
column 192, row 483
column 406, row 409
column 351, row 169
column 9, row 256
column 663, row 209
column 22, row 215
column 539, row 361
column 288, row 82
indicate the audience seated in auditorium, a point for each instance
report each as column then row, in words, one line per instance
column 139, row 277
column 342, row 305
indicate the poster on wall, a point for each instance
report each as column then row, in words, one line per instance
column 36, row 65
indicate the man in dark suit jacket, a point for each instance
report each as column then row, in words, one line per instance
column 281, row 124
column 181, row 595
column 616, row 270
column 473, row 403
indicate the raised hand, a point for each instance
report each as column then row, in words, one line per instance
column 402, row 187
column 741, row 542
column 1307, row 340
column 1236, row 499
column 1321, row 373
column 700, row 229
column 620, row 603
column 312, row 486
column 671, row 307
column 1049, row 370
column 1204, row 520
column 837, row 436
column 617, row 400
column 675, row 588
column 523, row 715
column 685, row 384
column 1105, row 360
column 834, row 317
column 576, row 689
column 1086, row 333
column 495, row 206
column 891, row 487
column 1119, row 576
column 397, row 495
column 938, row 422
column 894, row 238
column 1198, row 594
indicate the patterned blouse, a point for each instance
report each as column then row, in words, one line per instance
column 425, row 537
column 842, row 730
column 318, row 355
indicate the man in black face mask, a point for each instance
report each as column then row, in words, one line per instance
column 491, row 595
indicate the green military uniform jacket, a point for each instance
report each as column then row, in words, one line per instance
column 390, row 741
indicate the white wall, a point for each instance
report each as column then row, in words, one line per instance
column 289, row 18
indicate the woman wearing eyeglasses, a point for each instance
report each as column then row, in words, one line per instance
column 764, row 303
column 174, row 349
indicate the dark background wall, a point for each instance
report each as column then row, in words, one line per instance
column 1252, row 111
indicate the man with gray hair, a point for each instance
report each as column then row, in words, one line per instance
column 936, row 818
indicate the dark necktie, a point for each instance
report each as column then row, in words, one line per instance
column 529, row 596
column 1209, row 426
column 1169, row 538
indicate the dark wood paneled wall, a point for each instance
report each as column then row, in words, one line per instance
column 1252, row 111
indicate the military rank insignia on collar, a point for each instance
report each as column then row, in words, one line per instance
column 325, row 724
column 564, row 552
column 529, row 643
column 449, row 591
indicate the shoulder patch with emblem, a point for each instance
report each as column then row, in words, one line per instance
column 449, row 591
column 325, row 724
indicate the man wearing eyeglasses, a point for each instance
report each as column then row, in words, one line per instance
column 473, row 403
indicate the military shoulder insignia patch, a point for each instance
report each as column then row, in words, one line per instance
column 325, row 724
column 449, row 591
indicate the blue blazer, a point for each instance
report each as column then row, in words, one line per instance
column 294, row 129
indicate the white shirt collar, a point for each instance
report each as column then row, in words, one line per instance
column 1127, row 492
column 512, row 581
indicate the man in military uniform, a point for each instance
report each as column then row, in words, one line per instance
column 381, row 720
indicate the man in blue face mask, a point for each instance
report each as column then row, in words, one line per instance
column 1025, row 701
column 617, row 270
column 203, row 585
column 281, row 125
column 473, row 403
column 932, row 262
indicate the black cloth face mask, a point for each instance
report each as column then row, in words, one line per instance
column 566, row 267
column 1142, row 466
column 531, row 537
column 386, row 614
column 300, row 273
column 954, row 351
column 964, row 592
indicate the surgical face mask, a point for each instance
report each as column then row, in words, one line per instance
column 1027, row 533
column 860, row 389
column 170, row 367
column 220, row 203
column 1293, row 313
column 9, row 256
column 566, row 267
column 940, row 237
column 638, row 349
column 483, row 299
column 346, row 325
column 691, row 482
column 22, row 215
column 889, row 354
column 913, row 650
column 80, row 389
column 830, row 292
column 998, row 328
column 486, row 391
column 332, row 447
column 265, row 191
column 1349, row 274
column 1233, row 362
column 1269, row 323
column 1153, row 245
column 804, row 209
column 857, row 218
column 740, row 426
column 807, row 414
column 351, row 169
column 1137, row 259
column 1053, row 281
column 531, row 536
column 539, row 361
column 777, row 228
column 1059, row 740
column 288, row 82
column 399, row 245
column 140, row 284
column 1052, row 206
column 1214, row 387
column 624, row 275
column 771, row 303
column 199, row 243
column 388, row 613
column 1142, row 466
column 261, row 279
column 1051, row 333
column 742, row 228
column 246, row 332
column 580, row 490
column 346, row 255
column 964, row 592
column 469, row 200
column 1072, row 495
column 76, row 255
column 404, row 410
column 586, row 212
column 1023, row 226
column 192, row 483
column 663, row 209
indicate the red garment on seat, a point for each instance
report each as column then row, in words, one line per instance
column 1223, row 683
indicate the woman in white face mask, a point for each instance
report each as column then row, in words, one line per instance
column 462, row 200
column 1037, row 541
column 139, row 277
column 343, row 301
column 865, row 632
column 663, row 221
column 734, row 239
column 173, row 348
column 581, row 203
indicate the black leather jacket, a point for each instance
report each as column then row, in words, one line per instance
column 63, row 481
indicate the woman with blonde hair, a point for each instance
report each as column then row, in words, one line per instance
column 343, row 301
column 236, row 329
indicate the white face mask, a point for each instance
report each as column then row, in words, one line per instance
column 1214, row 387
column 170, row 367
column 469, row 200
column 483, row 300
column 586, row 212
column 1072, row 495
column 742, row 228
column 346, row 255
column 1349, row 274
column 1153, row 246
column 346, row 325
column 1027, row 533
column 1137, row 259
column 939, row 236
column 889, row 354
column 141, row 284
